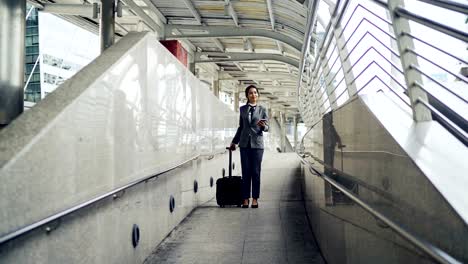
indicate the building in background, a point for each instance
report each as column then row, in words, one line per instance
column 32, row 92
column 56, row 58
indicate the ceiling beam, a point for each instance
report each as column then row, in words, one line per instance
column 248, row 44
column 219, row 44
column 227, row 31
column 186, row 42
column 209, row 68
column 193, row 10
column 90, row 11
column 156, row 11
column 205, row 57
column 263, row 67
column 280, row 47
column 238, row 66
column 142, row 14
column 272, row 15
column 232, row 12
column 227, row 75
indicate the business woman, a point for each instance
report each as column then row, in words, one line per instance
column 253, row 121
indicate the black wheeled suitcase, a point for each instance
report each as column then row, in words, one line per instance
column 229, row 189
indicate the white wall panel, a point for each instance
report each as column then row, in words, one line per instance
column 143, row 113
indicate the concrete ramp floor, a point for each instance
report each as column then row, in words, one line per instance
column 277, row 232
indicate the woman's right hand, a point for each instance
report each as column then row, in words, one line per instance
column 232, row 147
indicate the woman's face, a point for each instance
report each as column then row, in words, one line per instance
column 252, row 95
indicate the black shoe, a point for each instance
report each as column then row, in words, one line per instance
column 254, row 205
column 245, row 206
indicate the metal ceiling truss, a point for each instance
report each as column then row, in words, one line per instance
column 283, row 31
column 232, row 12
column 156, row 11
column 228, row 32
column 256, row 75
column 219, row 44
column 150, row 22
column 204, row 57
column 193, row 10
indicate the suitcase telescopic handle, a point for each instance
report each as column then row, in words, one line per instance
column 230, row 161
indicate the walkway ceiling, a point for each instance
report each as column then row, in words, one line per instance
column 242, row 41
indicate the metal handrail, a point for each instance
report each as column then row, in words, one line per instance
column 450, row 5
column 327, row 32
column 447, row 112
column 326, row 75
column 371, row 23
column 323, row 48
column 340, row 16
column 360, row 89
column 337, row 23
column 458, row 34
column 418, row 69
column 461, row 77
column 312, row 13
column 370, row 48
column 365, row 8
column 336, row 59
column 352, row 50
column 434, row 47
column 26, row 229
column 444, row 122
column 379, row 3
column 390, row 75
column 431, row 250
column 364, row 86
column 350, row 18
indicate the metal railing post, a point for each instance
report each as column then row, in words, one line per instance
column 329, row 84
column 400, row 25
column 343, row 50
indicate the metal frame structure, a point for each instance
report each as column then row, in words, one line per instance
column 254, row 28
column 318, row 86
column 285, row 32
column 252, row 34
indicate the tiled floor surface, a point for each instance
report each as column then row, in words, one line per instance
column 277, row 232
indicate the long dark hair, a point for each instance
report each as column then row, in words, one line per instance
column 247, row 91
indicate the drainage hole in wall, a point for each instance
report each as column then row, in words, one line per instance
column 135, row 235
column 171, row 204
column 195, row 186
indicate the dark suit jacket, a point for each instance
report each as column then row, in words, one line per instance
column 250, row 130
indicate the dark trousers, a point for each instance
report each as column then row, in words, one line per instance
column 251, row 161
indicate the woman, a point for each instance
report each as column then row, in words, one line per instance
column 253, row 121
